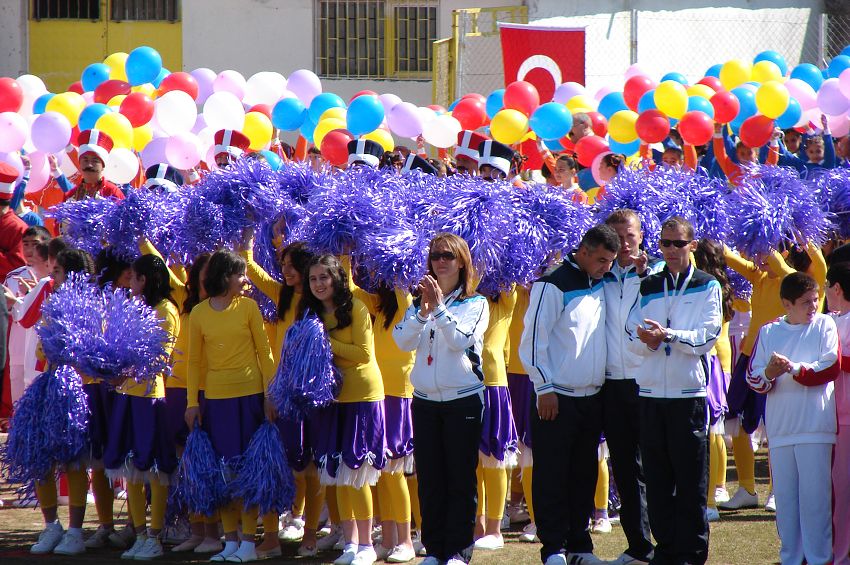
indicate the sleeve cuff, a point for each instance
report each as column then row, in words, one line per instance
column 544, row 388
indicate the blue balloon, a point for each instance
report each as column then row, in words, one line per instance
column 273, row 159
column 678, row 77
column 144, row 64
column 551, row 121
column 288, row 114
column 40, row 104
column 625, row 148
column 453, row 104
column 90, row 115
column 747, row 100
column 364, row 115
column 714, row 70
column 838, row 65
column 700, row 104
column 790, row 116
column 307, row 129
column 774, row 58
column 160, row 77
column 610, row 104
column 495, row 102
column 647, row 101
column 808, row 73
column 553, row 144
column 846, row 51
column 324, row 102
column 94, row 75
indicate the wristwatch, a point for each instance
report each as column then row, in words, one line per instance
column 668, row 337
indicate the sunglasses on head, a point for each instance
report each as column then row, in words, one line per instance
column 445, row 256
column 679, row 243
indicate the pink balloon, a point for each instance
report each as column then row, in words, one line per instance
column 830, row 99
column 51, row 132
column 88, row 97
column 389, row 101
column 839, row 125
column 305, row 85
column 844, row 82
column 633, row 71
column 602, row 92
column 40, row 172
column 13, row 131
column 182, row 150
column 405, row 120
column 566, row 91
column 154, row 152
column 803, row 92
column 230, row 81
column 205, row 78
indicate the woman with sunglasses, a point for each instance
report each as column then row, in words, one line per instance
column 445, row 326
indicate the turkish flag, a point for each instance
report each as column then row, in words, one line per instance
column 544, row 56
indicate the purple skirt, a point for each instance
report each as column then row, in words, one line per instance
column 399, row 426
column 744, row 402
column 231, row 422
column 100, row 400
column 175, row 405
column 296, row 442
column 498, row 442
column 141, row 441
column 521, row 394
column 716, row 391
column 350, row 446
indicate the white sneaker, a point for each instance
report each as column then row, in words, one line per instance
column 246, row 553
column 71, row 544
column 529, row 533
column 99, row 539
column 329, row 541
column 365, row 556
column 348, row 555
column 741, row 499
column 490, row 542
column 418, row 546
column 601, row 526
column 123, row 538
column 626, row 559
column 712, row 514
column 229, row 549
column 584, row 559
column 721, row 495
column 48, row 539
column 517, row 513
column 137, row 547
column 209, row 546
column 150, row 550
column 506, row 522
column 401, row 554
column 455, row 561
column 770, row 505
column 293, row 531
column 556, row 559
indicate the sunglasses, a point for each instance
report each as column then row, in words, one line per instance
column 679, row 243
column 445, row 256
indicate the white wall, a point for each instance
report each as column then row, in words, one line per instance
column 13, row 37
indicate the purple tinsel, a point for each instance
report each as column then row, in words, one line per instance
column 741, row 287
column 84, row 221
column 633, row 190
column 263, row 477
column 306, row 378
column 395, row 256
column 833, row 187
column 266, row 256
column 143, row 213
column 201, row 475
column 248, row 191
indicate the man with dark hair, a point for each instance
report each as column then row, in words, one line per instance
column 94, row 147
column 563, row 348
column 673, row 326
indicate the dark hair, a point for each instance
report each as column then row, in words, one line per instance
column 5, row 202
column 387, row 304
column 390, row 159
column 615, row 160
column 622, row 216
column 109, row 267
column 440, row 165
column 676, row 222
column 42, row 250
column 222, row 265
column 679, row 153
column 796, row 285
column 314, row 150
column 343, row 299
column 300, row 257
column 75, row 261
column 709, row 258
column 460, row 248
column 288, row 150
column 157, row 283
column 798, row 259
column 567, row 160
column 544, row 170
column 37, row 231
column 193, row 282
column 840, row 273
column 839, row 255
column 603, row 235
column 55, row 246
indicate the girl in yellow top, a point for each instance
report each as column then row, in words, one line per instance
column 352, row 429
column 227, row 331
column 140, row 448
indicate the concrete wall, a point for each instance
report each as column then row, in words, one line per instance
column 13, row 37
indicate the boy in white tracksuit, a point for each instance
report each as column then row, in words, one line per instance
column 795, row 361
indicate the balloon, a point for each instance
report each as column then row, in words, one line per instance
column 587, row 148
column 598, row 123
column 264, row 88
column 264, row 109
column 495, row 102
column 305, row 85
column 122, row 166
column 388, row 101
column 40, row 172
column 176, row 112
column 714, row 71
column 621, row 126
column 726, row 106
column 790, row 116
column 838, row 65
column 700, row 90
column 139, row 108
column 839, row 125
column 830, row 99
column 404, row 120
column 696, row 128
column 521, row 96
column 553, row 145
column 764, row 71
column 163, row 74
column 363, row 93
column 116, row 63
column 566, row 91
column 179, row 81
column 773, row 57
column 437, row 109
column 205, row 78
column 809, row 74
column 336, row 113
column 747, row 102
column 108, row 90
column 182, row 150
column 634, row 70
column 115, row 102
column 11, row 95
column 624, row 148
column 735, row 73
column 678, row 77
column 142, row 135
column 647, row 101
column 94, row 75
column 118, row 128
column 230, row 81
column 31, row 85
column 756, row 131
column 382, row 137
column 13, row 132
column 652, row 126
column 324, row 127
column 844, row 83
column 90, row 115
column 700, row 104
column 712, row 82
column 365, row 114
column 581, row 103
column 288, row 114
column 334, row 147
column 223, row 110
column 51, row 132
column 273, row 159
column 611, row 104
column 258, row 129
column 323, row 102
column 508, row 126
column 803, row 93
column 40, row 104
column 671, row 98
column 69, row 104
column 472, row 113
column 442, row 131
column 154, row 152
column 772, row 98
column 634, row 88
column 143, row 65
column 550, row 121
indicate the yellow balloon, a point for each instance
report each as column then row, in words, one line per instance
column 324, row 127
column 772, row 98
column 117, row 127
column 116, row 63
column 115, row 101
column 69, row 104
column 258, row 128
column 581, row 103
column 700, row 90
column 508, row 126
column 592, row 194
column 671, row 98
column 142, row 135
column 337, row 113
column 621, row 126
column 735, row 73
column 146, row 88
column 529, row 135
column 380, row 136
column 764, row 71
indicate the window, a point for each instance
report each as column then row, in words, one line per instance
column 66, row 9
column 145, row 10
column 375, row 38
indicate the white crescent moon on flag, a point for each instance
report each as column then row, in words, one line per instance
column 540, row 62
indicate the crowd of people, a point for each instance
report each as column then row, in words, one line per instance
column 459, row 413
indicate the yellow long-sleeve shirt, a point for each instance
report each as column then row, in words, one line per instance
column 496, row 344
column 354, row 354
column 723, row 349
column 167, row 312
column 515, row 332
column 235, row 346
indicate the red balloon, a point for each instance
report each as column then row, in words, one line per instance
column 726, row 106
column 179, row 81
column 756, row 131
column 437, row 108
column 587, row 148
column 138, row 108
column 521, row 96
column 567, row 144
column 652, row 126
column 598, row 123
column 263, row 109
column 108, row 90
column 696, row 128
column 11, row 95
column 76, row 87
column 636, row 87
column 471, row 113
column 335, row 146
column 712, row 82
column 363, row 93
column 475, row 95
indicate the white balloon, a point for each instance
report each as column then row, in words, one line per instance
column 122, row 166
column 175, row 112
column 264, row 88
column 223, row 110
column 66, row 165
column 442, row 131
column 31, row 85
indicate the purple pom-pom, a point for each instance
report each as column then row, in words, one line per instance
column 263, row 478
column 741, row 287
column 833, row 187
column 201, row 475
column 84, row 221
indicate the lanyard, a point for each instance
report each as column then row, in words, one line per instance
column 671, row 300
